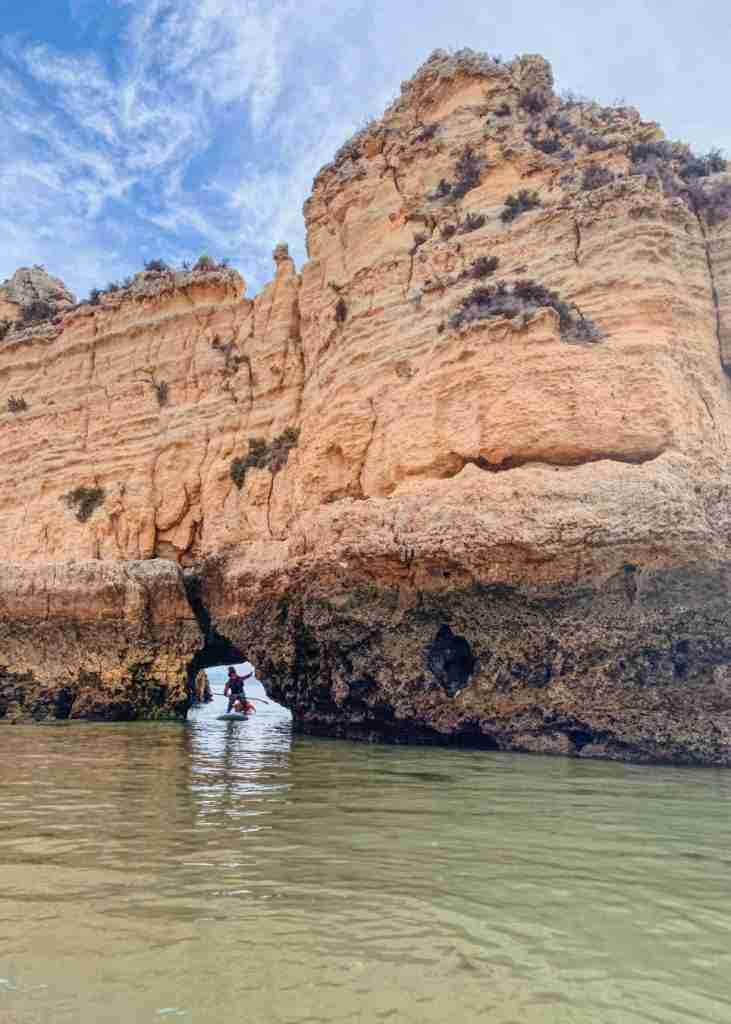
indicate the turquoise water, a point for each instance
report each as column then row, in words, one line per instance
column 226, row 871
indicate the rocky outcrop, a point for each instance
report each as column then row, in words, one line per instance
column 33, row 294
column 109, row 641
column 464, row 477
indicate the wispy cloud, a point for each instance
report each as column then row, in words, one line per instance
column 201, row 128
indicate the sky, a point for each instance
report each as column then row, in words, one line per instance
column 143, row 129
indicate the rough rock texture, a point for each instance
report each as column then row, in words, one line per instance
column 422, row 520
column 94, row 640
column 29, row 285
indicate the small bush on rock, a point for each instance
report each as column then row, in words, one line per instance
column 549, row 145
column 483, row 266
column 272, row 456
column 596, row 176
column 515, row 205
column 693, row 166
column 341, row 311
column 156, row 267
column 524, row 298
column 713, row 201
column 427, row 132
column 37, row 311
column 5, row 326
column 534, row 101
column 84, row 501
column 442, row 190
column 472, row 222
column 468, row 173
column 17, row 404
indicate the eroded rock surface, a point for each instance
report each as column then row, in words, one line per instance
column 464, row 478
column 97, row 640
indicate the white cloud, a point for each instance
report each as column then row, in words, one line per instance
column 204, row 127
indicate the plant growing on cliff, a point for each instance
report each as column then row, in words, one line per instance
column 442, row 190
column 428, row 131
column 504, row 110
column 596, row 176
column 341, row 309
column 272, row 456
column 472, row 222
column 37, row 311
column 693, row 166
column 516, row 204
column 550, row 145
column 5, row 326
column 482, row 267
column 156, row 267
column 17, row 404
column 524, row 298
column 467, row 169
column 205, row 264
column 84, row 501
column 95, row 296
column 713, row 201
column 534, row 101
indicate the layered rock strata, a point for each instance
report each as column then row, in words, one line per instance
column 464, row 477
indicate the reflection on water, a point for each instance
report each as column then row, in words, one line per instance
column 219, row 871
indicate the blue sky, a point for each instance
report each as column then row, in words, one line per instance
column 135, row 129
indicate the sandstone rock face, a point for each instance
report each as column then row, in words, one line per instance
column 464, row 478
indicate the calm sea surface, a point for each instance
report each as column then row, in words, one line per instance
column 222, row 872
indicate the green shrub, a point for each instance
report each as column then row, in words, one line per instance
column 84, row 501
column 515, row 205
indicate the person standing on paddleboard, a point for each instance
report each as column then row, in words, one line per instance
column 234, row 687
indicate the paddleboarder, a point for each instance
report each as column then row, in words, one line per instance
column 234, row 687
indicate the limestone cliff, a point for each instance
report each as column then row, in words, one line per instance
column 464, row 477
